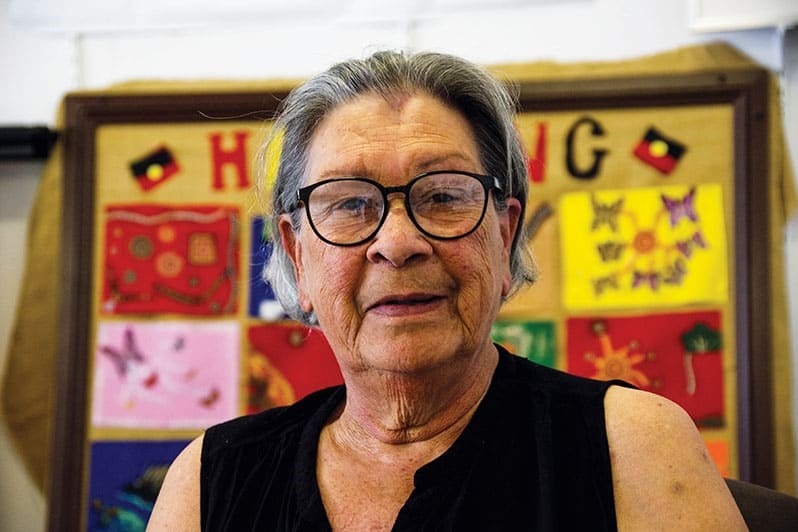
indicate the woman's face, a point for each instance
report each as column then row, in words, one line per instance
column 401, row 302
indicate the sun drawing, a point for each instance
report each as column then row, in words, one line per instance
column 617, row 363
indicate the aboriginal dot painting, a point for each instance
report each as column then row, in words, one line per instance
column 171, row 259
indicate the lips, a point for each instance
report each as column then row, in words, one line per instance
column 404, row 303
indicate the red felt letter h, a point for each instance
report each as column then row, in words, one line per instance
column 237, row 157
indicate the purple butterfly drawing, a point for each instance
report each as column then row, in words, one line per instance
column 650, row 278
column 686, row 247
column 153, row 378
column 681, row 208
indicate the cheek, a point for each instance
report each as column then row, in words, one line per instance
column 330, row 280
column 480, row 271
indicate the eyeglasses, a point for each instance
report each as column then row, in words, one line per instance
column 444, row 205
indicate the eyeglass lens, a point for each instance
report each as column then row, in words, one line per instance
column 444, row 205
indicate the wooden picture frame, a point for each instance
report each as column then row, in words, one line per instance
column 743, row 92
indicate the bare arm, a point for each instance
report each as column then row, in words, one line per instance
column 663, row 476
column 178, row 504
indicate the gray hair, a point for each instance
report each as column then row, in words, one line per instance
column 484, row 102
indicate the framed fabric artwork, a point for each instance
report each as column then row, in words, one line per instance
column 646, row 215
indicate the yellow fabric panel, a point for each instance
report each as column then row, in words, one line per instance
column 642, row 227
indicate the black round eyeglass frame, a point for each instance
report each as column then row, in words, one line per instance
column 303, row 195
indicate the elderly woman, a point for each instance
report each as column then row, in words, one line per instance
column 399, row 205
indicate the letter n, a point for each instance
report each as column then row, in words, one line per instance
column 536, row 164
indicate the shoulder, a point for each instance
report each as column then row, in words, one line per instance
column 640, row 421
column 663, row 476
column 178, row 504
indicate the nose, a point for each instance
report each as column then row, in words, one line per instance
column 398, row 242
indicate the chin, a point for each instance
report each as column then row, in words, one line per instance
column 414, row 351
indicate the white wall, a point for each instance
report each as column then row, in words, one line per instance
column 46, row 51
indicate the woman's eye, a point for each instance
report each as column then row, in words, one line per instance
column 354, row 205
column 442, row 197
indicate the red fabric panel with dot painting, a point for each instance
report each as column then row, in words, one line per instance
column 169, row 259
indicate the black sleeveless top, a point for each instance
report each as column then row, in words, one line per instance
column 533, row 457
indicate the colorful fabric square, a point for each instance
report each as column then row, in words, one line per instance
column 643, row 248
column 124, row 480
column 678, row 356
column 659, row 151
column 154, row 168
column 272, row 159
column 719, row 451
column 174, row 374
column 262, row 302
column 159, row 259
column 286, row 363
column 534, row 340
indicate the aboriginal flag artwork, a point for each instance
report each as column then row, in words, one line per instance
column 124, row 480
column 659, row 151
column 154, row 168
column 644, row 247
column 287, row 362
column 162, row 259
column 676, row 355
column 534, row 340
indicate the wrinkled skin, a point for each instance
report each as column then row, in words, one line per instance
column 402, row 304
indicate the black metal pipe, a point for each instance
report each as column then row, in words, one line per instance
column 26, row 143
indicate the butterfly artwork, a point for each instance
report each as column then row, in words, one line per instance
column 687, row 246
column 674, row 275
column 610, row 250
column 165, row 374
column 650, row 246
column 679, row 208
column 650, row 279
column 605, row 214
column 604, row 283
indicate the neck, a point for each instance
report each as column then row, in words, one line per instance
column 397, row 410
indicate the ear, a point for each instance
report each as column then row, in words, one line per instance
column 293, row 248
column 508, row 226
